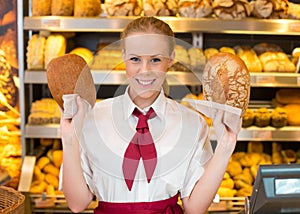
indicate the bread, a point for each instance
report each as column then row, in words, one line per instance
column 295, row 57
column 234, row 168
column 293, row 10
column 226, row 192
column 56, row 45
column 262, row 117
column 8, row 45
column 41, row 7
column 51, row 169
column 44, row 111
column 288, row 96
column 160, row 7
column 197, row 59
column 35, row 52
column 276, row 62
column 42, row 162
column 57, row 157
column 85, row 53
column 87, row 8
column 231, row 9
column 226, row 80
column 227, row 49
column 248, row 118
column 70, row 74
column 209, row 52
column 255, row 147
column 269, row 8
column 293, row 114
column 194, row 9
column 249, row 56
column 109, row 58
column 182, row 59
column 279, row 117
column 52, row 180
column 123, row 7
column 263, row 47
column 62, row 7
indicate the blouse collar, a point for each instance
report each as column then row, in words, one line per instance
column 158, row 105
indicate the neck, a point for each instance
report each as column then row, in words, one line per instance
column 143, row 101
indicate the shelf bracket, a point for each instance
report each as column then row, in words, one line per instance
column 197, row 40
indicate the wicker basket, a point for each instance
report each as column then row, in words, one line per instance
column 12, row 201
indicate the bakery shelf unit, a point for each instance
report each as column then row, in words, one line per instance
column 195, row 26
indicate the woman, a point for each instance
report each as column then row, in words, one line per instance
column 102, row 156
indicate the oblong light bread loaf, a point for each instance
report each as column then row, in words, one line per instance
column 226, row 80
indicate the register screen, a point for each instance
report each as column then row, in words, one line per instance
column 287, row 186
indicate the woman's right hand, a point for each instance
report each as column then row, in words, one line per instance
column 71, row 128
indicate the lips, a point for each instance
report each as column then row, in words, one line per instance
column 145, row 82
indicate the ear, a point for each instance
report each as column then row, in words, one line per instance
column 172, row 57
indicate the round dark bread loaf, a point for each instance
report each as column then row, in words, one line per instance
column 226, row 80
column 70, row 74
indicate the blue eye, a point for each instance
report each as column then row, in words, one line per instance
column 155, row 60
column 135, row 59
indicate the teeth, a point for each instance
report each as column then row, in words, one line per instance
column 145, row 82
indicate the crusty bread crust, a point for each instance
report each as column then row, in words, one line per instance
column 70, row 74
column 226, row 80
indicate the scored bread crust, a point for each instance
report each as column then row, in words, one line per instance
column 226, row 80
column 70, row 74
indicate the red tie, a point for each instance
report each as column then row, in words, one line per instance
column 141, row 145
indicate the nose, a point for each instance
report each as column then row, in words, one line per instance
column 145, row 66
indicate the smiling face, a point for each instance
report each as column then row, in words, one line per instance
column 147, row 58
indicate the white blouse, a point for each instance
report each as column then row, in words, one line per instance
column 180, row 136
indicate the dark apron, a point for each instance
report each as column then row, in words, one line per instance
column 167, row 206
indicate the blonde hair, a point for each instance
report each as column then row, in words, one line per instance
column 149, row 24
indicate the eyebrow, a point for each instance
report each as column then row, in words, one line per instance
column 156, row 55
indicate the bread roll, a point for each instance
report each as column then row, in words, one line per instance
column 295, row 58
column 35, row 52
column 56, row 45
column 69, row 74
column 41, row 7
column 231, row 9
column 226, row 80
column 123, row 7
column 293, row 10
column 209, row 52
column 262, row 117
column 279, row 117
column 250, row 58
column 195, row 9
column 85, row 53
column 62, row 7
column 160, row 7
column 87, row 8
column 227, row 49
column 276, row 62
column 197, row 59
column 269, row 8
